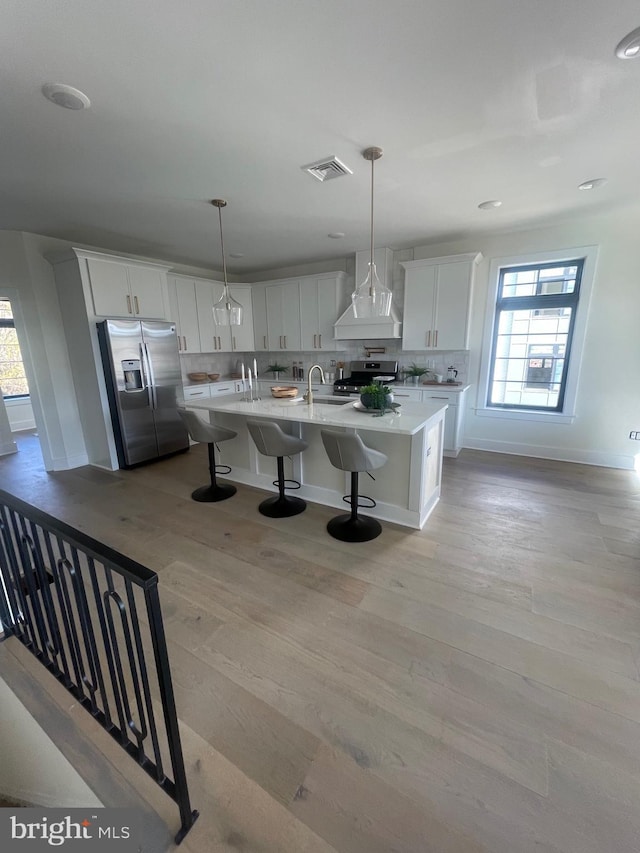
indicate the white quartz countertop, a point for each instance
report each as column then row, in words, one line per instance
column 437, row 386
column 407, row 420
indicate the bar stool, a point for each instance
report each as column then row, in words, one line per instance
column 271, row 440
column 209, row 434
column 348, row 452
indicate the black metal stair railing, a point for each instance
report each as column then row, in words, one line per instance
column 92, row 616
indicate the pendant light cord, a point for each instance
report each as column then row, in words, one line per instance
column 371, row 263
column 224, row 261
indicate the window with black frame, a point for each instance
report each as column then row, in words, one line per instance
column 535, row 316
column 13, row 380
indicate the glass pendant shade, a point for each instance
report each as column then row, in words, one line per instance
column 227, row 311
column 371, row 298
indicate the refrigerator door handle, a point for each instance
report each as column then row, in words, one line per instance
column 148, row 369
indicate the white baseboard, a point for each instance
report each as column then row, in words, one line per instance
column 65, row 463
column 560, row 454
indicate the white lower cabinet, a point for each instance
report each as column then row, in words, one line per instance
column 454, row 416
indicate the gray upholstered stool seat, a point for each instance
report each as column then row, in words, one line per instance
column 348, row 452
column 271, row 440
column 209, row 434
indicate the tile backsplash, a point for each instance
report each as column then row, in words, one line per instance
column 225, row 363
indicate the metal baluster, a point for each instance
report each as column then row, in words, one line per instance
column 142, row 664
column 27, row 575
column 47, row 600
column 13, row 593
column 158, row 639
column 112, row 596
column 97, row 593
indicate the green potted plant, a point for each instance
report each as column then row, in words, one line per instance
column 376, row 396
column 276, row 369
column 415, row 371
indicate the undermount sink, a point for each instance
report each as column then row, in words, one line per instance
column 326, row 401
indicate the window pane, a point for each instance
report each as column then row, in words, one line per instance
column 522, row 283
column 529, row 359
column 12, row 376
column 558, row 280
column 5, row 310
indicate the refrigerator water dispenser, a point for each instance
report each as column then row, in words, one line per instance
column 132, row 374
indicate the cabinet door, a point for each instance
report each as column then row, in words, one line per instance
column 452, row 306
column 212, row 338
column 110, row 288
column 188, row 329
column 259, row 310
column 242, row 339
column 328, row 313
column 146, row 285
column 291, row 315
column 275, row 325
column 419, row 307
column 450, row 416
column 309, row 314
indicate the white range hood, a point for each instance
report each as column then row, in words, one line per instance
column 348, row 327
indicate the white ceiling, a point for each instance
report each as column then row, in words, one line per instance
column 518, row 100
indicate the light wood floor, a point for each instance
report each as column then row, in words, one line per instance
column 470, row 687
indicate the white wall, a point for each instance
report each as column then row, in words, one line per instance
column 32, row 768
column 7, row 444
column 608, row 403
column 20, row 414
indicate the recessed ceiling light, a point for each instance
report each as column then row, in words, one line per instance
column 335, row 235
column 490, row 205
column 629, row 47
column 593, row 184
column 236, row 254
column 66, row 96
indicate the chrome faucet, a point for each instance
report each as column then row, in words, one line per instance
column 309, row 395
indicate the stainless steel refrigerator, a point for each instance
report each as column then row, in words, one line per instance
column 144, row 385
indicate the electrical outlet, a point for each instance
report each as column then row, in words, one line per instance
column 635, row 434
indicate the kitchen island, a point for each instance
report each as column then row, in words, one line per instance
column 406, row 489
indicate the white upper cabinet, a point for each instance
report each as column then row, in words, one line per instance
column 259, row 305
column 322, row 300
column 214, row 338
column 242, row 339
column 121, row 288
column 184, row 312
column 437, row 302
column 283, row 315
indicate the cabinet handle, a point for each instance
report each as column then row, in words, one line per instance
column 129, row 304
column 285, row 341
column 233, row 341
column 435, row 338
column 135, row 302
column 432, row 397
column 395, row 394
column 197, row 394
column 184, row 338
column 314, row 342
column 179, row 344
column 429, row 338
column 319, row 341
column 264, row 338
column 280, row 339
column 215, row 342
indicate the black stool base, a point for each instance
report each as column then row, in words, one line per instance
column 211, row 494
column 282, row 506
column 349, row 529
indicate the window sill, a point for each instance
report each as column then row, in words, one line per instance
column 16, row 401
column 520, row 415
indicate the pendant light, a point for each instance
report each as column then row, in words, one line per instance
column 371, row 298
column 227, row 311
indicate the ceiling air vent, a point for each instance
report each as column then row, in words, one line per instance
column 327, row 168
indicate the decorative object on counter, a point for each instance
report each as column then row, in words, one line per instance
column 284, row 391
column 371, row 298
column 213, row 376
column 376, row 396
column 227, row 311
column 416, row 372
column 438, row 377
column 452, row 374
column 369, row 351
column 197, row 377
column 276, row 369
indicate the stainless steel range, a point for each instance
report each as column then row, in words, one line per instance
column 364, row 373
